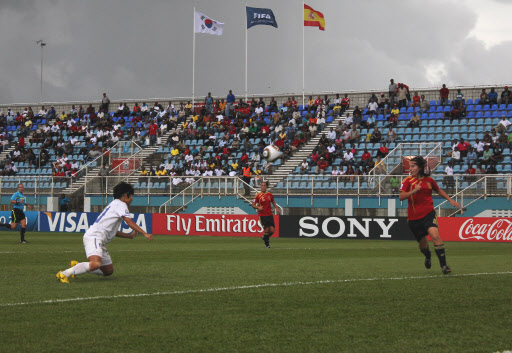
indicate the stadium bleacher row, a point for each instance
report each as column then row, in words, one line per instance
column 434, row 128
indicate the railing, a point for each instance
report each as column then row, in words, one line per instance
column 465, row 189
column 357, row 97
column 37, row 189
column 119, row 150
column 481, row 187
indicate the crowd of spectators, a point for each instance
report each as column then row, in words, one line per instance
column 233, row 133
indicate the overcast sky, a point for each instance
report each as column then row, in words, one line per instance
column 143, row 49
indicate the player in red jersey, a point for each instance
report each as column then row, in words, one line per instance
column 417, row 189
column 263, row 202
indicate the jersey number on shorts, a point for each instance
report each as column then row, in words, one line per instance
column 101, row 215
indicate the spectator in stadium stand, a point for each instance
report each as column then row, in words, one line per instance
column 230, row 101
column 487, row 139
column 471, row 157
column 494, row 138
column 491, row 169
column 136, row 109
column 493, row 96
column 304, row 166
column 503, row 140
column 415, row 121
column 469, row 172
column 392, row 88
column 345, row 103
column 416, row 100
column 346, row 134
column 391, row 135
column 348, row 158
column 502, row 125
column 424, row 105
column 331, row 135
column 497, row 156
column 326, row 103
column 349, row 120
column 449, row 181
column 318, row 102
column 383, row 151
column 366, row 159
column 273, row 106
column 373, row 97
column 153, row 133
column 355, row 135
column 443, row 95
column 315, row 157
column 105, row 101
column 259, row 110
column 459, row 97
column 321, row 166
column 479, row 169
column 379, row 166
column 373, row 106
column 456, row 157
column 483, row 98
column 337, row 104
column 505, row 96
column 402, row 95
column 52, row 114
column 208, row 102
column 370, row 122
column 381, row 102
column 376, row 136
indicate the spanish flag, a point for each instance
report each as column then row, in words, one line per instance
column 313, row 18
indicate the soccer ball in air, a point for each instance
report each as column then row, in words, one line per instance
column 271, row 153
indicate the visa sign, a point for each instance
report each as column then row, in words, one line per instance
column 80, row 222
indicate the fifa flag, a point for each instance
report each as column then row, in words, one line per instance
column 313, row 18
column 204, row 24
column 256, row 16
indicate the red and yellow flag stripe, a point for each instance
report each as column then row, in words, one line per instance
column 313, row 18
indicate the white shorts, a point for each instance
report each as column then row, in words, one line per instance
column 95, row 246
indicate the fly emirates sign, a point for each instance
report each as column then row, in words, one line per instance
column 217, row 225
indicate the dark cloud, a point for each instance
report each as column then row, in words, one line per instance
column 134, row 49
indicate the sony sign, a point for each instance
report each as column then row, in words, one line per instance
column 345, row 227
column 309, row 227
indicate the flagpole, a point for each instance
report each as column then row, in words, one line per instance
column 246, row 24
column 302, row 53
column 194, row 62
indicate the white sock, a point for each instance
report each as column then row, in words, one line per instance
column 76, row 270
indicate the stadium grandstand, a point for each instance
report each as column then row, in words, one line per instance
column 334, row 146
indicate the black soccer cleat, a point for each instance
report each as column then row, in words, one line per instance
column 446, row 270
column 268, row 246
column 428, row 263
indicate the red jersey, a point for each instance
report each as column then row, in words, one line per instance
column 265, row 200
column 420, row 203
column 153, row 129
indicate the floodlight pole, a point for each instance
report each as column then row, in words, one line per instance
column 42, row 44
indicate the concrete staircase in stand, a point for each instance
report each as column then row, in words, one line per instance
column 281, row 172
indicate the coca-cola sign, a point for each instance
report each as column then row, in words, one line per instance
column 476, row 229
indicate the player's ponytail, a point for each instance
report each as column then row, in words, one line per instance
column 424, row 169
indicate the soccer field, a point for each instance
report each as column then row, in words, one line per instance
column 219, row 294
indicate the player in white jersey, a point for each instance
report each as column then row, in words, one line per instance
column 102, row 232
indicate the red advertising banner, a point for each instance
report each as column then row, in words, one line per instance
column 482, row 229
column 124, row 165
column 206, row 224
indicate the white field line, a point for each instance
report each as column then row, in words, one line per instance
column 252, row 286
column 152, row 250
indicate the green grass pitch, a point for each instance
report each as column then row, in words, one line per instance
column 219, row 294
